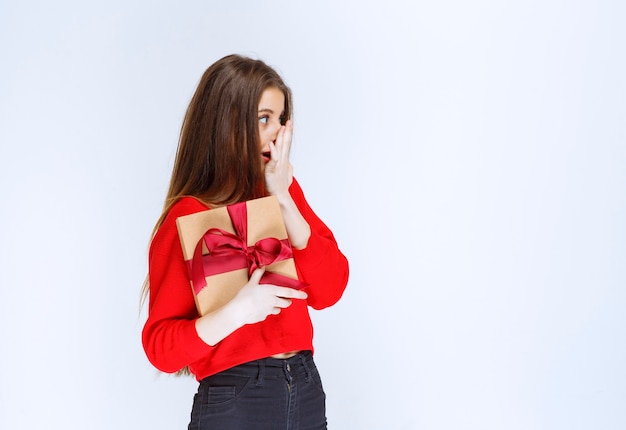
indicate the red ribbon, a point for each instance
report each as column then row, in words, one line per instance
column 228, row 252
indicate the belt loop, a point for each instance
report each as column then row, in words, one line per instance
column 307, row 371
column 261, row 376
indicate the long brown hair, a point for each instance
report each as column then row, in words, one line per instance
column 218, row 159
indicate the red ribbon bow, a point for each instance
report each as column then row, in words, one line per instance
column 228, row 252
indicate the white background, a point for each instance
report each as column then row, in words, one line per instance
column 469, row 156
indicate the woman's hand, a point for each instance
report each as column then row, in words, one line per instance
column 254, row 302
column 279, row 171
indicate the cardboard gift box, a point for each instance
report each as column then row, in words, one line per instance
column 223, row 246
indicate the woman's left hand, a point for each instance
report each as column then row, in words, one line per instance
column 279, row 171
column 278, row 178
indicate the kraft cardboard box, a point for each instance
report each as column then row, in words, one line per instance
column 219, row 260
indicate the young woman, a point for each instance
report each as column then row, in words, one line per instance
column 253, row 356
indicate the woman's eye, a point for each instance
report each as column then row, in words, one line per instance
column 263, row 119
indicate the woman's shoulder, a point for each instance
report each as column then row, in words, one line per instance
column 186, row 206
column 183, row 206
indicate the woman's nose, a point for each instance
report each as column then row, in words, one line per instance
column 276, row 125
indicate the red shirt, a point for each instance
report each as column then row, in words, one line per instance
column 169, row 335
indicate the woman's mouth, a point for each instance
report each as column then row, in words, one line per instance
column 267, row 156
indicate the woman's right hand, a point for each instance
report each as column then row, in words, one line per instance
column 254, row 302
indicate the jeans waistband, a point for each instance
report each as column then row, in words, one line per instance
column 280, row 362
column 270, row 367
column 299, row 363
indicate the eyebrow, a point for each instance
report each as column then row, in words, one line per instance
column 268, row 110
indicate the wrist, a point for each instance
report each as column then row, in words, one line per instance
column 233, row 316
column 284, row 199
column 217, row 325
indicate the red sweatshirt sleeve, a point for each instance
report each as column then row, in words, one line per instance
column 169, row 336
column 321, row 264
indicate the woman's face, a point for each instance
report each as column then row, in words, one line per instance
column 271, row 113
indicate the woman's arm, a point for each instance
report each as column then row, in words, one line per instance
column 278, row 178
column 253, row 303
column 173, row 335
column 319, row 261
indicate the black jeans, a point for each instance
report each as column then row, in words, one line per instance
column 263, row 394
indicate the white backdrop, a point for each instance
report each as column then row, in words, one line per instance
column 469, row 156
